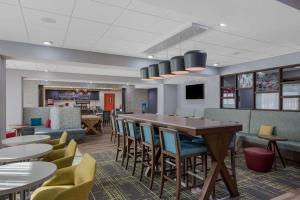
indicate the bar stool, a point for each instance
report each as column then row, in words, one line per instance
column 173, row 148
column 121, row 133
column 114, row 128
column 150, row 147
column 133, row 136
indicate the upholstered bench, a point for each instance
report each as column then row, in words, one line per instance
column 259, row 159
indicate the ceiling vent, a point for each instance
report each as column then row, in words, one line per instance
column 184, row 33
column 292, row 3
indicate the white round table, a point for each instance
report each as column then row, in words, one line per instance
column 24, row 152
column 27, row 139
column 18, row 177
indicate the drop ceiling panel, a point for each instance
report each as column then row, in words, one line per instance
column 119, row 3
column 38, row 35
column 135, row 20
column 143, row 7
column 34, row 18
column 97, row 11
column 130, row 35
column 63, row 7
column 13, row 2
column 11, row 23
column 216, row 37
column 92, row 31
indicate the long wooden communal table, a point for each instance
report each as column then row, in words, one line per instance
column 217, row 136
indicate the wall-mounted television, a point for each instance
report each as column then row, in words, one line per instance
column 194, row 91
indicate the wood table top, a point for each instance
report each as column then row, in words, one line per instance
column 273, row 137
column 90, row 117
column 192, row 126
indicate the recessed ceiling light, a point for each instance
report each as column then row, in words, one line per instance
column 46, row 70
column 223, row 24
column 48, row 20
column 47, row 43
column 150, row 56
column 216, row 64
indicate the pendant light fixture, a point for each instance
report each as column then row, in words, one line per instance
column 154, row 72
column 195, row 60
column 177, row 65
column 164, row 68
column 144, row 73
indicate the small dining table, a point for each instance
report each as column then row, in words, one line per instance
column 91, row 121
column 24, row 152
column 217, row 136
column 18, row 127
column 272, row 146
column 17, row 177
column 27, row 139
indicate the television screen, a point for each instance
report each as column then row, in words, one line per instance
column 194, row 91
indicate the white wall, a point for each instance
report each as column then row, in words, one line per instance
column 166, row 99
column 212, row 94
column 14, row 97
column 2, row 98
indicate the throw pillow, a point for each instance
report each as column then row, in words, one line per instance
column 265, row 130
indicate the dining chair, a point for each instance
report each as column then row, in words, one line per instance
column 106, row 118
column 59, row 143
column 62, row 157
column 133, row 137
column 70, row 183
column 150, row 148
column 121, row 133
column 173, row 149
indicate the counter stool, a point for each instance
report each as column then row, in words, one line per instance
column 121, row 133
column 173, row 149
column 133, row 136
column 150, row 148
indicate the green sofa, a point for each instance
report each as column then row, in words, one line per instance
column 286, row 124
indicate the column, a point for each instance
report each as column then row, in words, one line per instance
column 2, row 98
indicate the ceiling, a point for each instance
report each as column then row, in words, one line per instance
column 89, row 69
column 255, row 29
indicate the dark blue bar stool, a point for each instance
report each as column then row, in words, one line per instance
column 172, row 148
column 133, row 137
column 150, row 148
column 121, row 133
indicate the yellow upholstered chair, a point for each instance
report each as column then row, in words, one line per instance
column 71, row 183
column 62, row 157
column 59, row 143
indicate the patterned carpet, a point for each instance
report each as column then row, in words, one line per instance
column 114, row 182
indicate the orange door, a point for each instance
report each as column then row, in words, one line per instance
column 109, row 102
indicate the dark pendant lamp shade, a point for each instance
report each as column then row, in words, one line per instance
column 144, row 73
column 153, row 72
column 164, row 68
column 177, row 65
column 195, row 60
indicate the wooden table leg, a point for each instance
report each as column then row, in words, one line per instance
column 279, row 154
column 218, row 146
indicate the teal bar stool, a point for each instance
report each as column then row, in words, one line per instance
column 114, row 129
column 173, row 149
column 150, row 148
column 121, row 134
column 133, row 137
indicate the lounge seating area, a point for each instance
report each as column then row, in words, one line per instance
column 149, row 100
